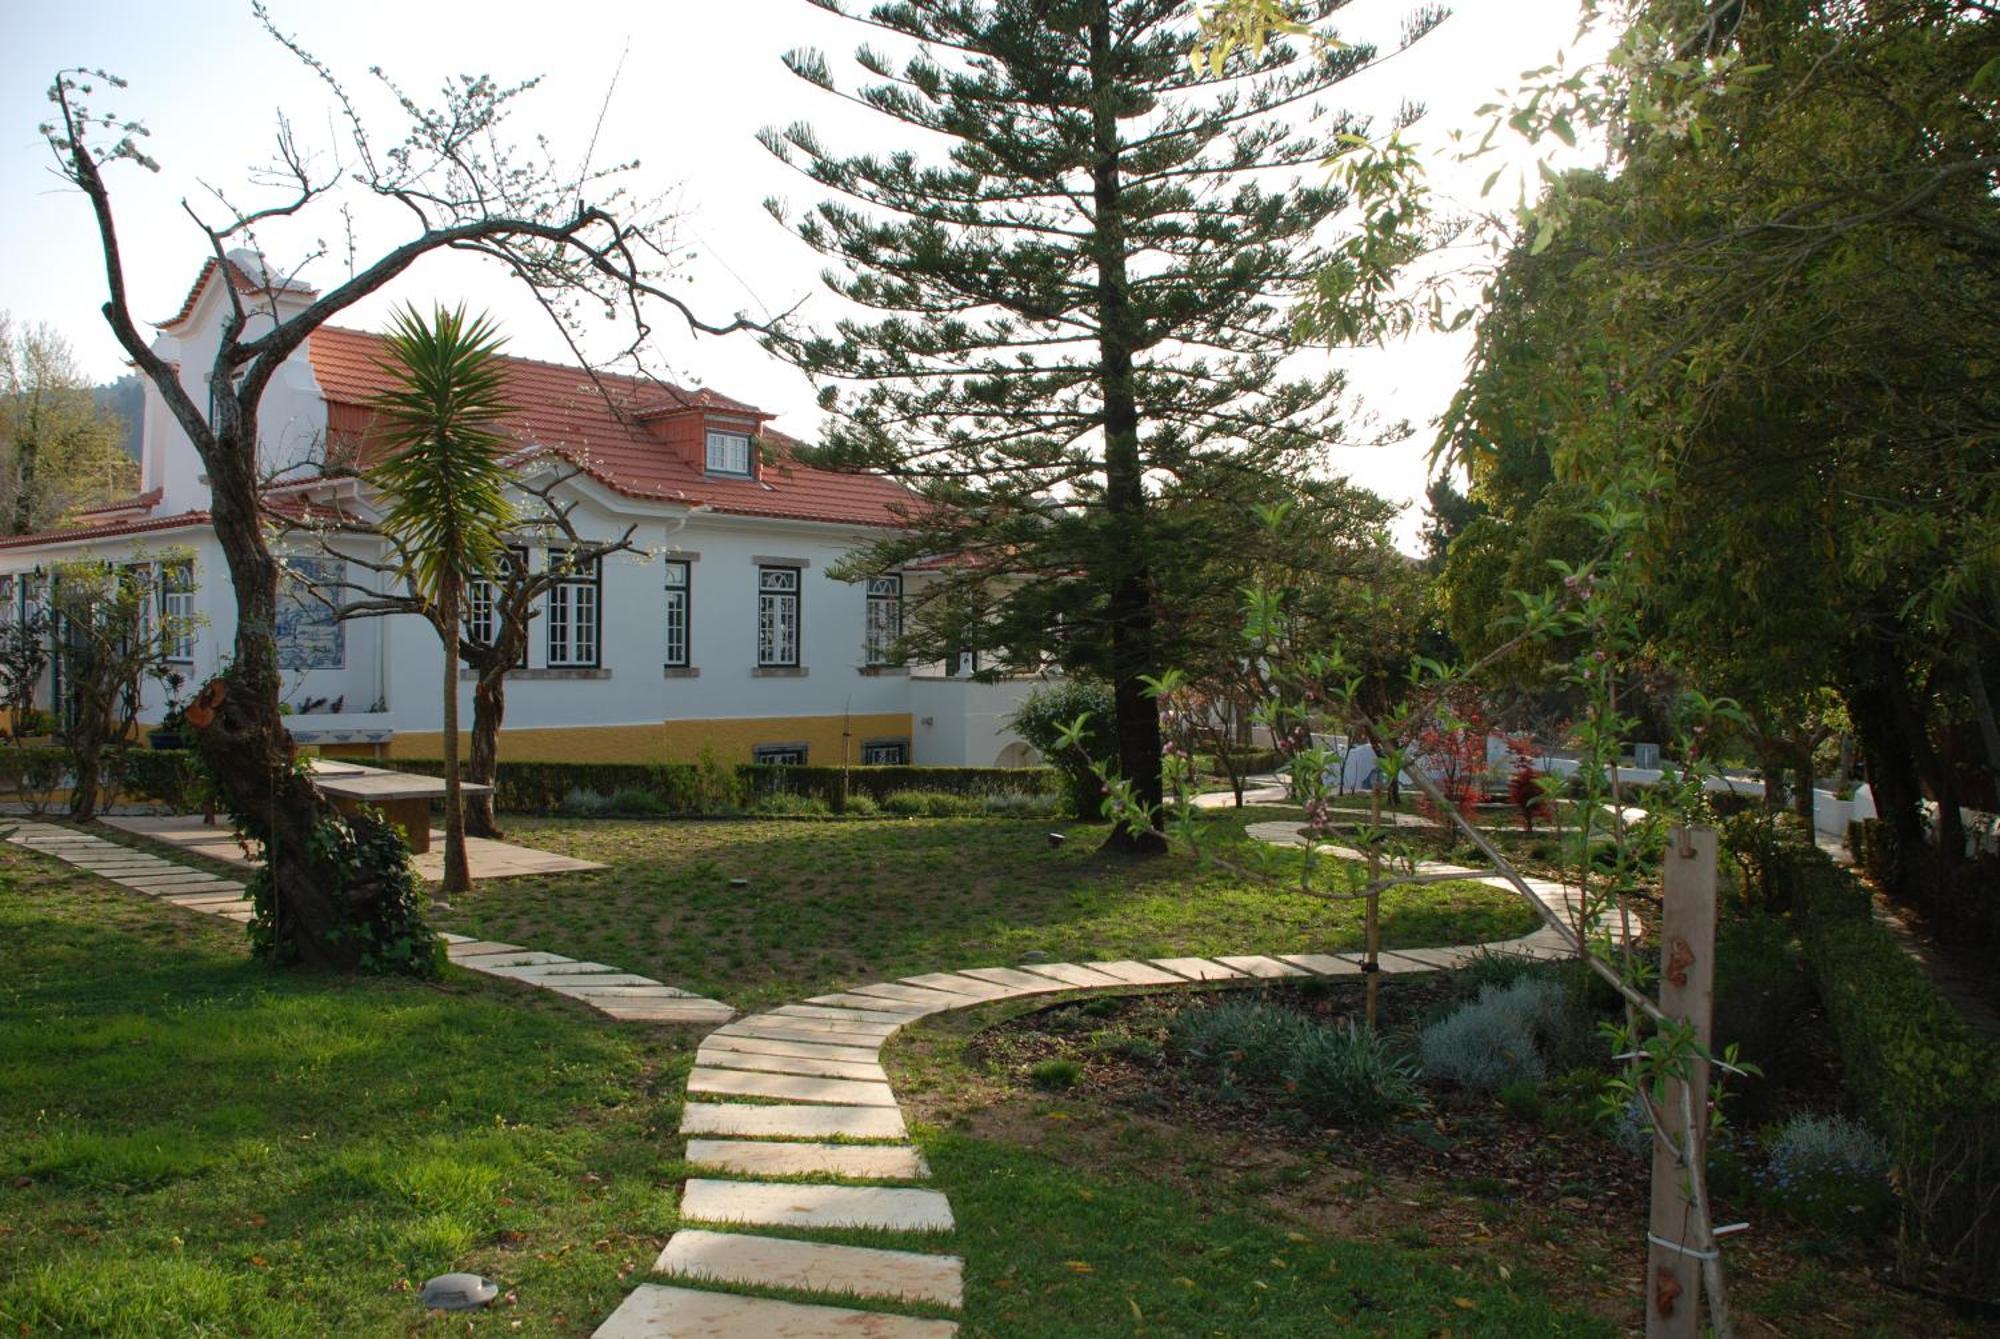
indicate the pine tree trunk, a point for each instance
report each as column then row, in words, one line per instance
column 457, row 875
column 1127, row 544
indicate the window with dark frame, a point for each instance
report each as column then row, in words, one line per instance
column 482, row 603
column 573, row 613
column 885, row 619
column 777, row 617
column 679, row 612
column 779, row 755
column 885, row 753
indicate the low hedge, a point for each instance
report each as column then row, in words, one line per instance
column 691, row 788
column 1910, row 1064
column 37, row 772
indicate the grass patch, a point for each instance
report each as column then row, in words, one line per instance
column 830, row 905
column 192, row 1143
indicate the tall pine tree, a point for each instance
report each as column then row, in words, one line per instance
column 1079, row 300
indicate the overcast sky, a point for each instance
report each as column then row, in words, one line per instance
column 695, row 80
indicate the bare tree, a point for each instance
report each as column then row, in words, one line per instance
column 543, row 519
column 461, row 187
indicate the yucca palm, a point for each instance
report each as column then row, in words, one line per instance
column 444, row 483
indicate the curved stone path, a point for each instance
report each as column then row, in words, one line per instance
column 620, row 995
column 799, row 1091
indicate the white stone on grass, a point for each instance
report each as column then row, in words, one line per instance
column 1072, row 974
column 952, row 983
column 1013, row 982
column 811, row 1266
column 722, row 1041
column 880, row 1004
column 807, row 1023
column 792, row 1122
column 473, row 948
column 1199, row 969
column 1136, row 973
column 782, row 1030
column 775, row 1204
column 866, row 1070
column 769, row 1157
column 495, row 964
column 1258, row 965
column 655, row 1311
column 1324, row 964
column 921, row 996
column 843, row 1015
column 790, row 1087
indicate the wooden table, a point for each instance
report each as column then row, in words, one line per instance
column 403, row 797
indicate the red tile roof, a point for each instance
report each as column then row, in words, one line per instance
column 142, row 502
column 598, row 426
column 108, row 530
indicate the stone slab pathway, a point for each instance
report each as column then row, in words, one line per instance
column 620, row 995
column 489, row 859
column 810, row 1074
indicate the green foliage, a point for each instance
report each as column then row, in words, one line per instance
column 364, row 854
column 1055, row 1074
column 1238, row 1041
column 1048, row 719
column 929, row 804
column 1910, row 1065
column 1346, row 1074
column 1498, row 1039
column 59, row 449
column 786, row 804
column 170, row 777
column 1831, row 1173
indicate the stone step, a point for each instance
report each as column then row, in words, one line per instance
column 954, row 984
column 783, row 1030
column 891, row 1017
column 921, row 996
column 473, row 948
column 497, row 963
column 776, row 1204
column 762, row 1157
column 1136, row 973
column 772, row 1018
column 1324, row 964
column 812, row 1266
column 685, row 1012
column 865, row 1070
column 1071, row 974
column 1198, row 969
column 1260, row 966
column 792, row 1122
column 790, row 1087
column 903, row 1008
column 1013, row 981
column 722, row 1041
column 655, row 1311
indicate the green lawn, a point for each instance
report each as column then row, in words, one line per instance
column 191, row 1143
column 830, row 905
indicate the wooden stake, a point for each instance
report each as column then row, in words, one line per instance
column 1371, row 969
column 1687, row 992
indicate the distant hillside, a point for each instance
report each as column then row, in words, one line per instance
column 127, row 399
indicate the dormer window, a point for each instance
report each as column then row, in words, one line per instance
column 729, row 453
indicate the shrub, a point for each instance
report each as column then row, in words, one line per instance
column 1348, row 1074
column 878, row 782
column 1048, row 711
column 1246, row 1040
column 1021, row 806
column 786, row 805
column 1522, row 1099
column 861, row 804
column 929, row 804
column 1055, row 1074
column 1761, row 998
column 632, row 802
column 1910, row 1064
column 1829, row 1172
column 581, row 803
column 1496, row 1039
column 1491, row 967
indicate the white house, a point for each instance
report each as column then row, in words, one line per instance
column 724, row 631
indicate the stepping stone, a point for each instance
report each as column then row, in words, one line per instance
column 472, row 948
column 894, row 1020
column 620, row 994
column 500, row 962
column 684, row 1012
column 810, row 1266
column 918, row 995
column 1324, row 964
column 1015, row 983
column 1198, row 969
column 585, row 971
column 860, row 1027
column 449, row 938
column 791, row 1087
column 1256, row 965
column 722, row 1041
column 771, row 1204
column 1072, row 975
column 951, row 983
column 764, row 1157
column 792, row 1122
column 1420, row 958
column 879, row 1004
column 207, row 901
column 174, row 892
column 654, row 1311
column 1136, row 973
column 598, row 981
column 866, row 1071
column 809, row 1029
